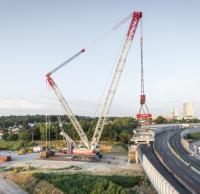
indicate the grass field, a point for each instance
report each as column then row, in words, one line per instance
column 106, row 146
column 14, row 145
column 80, row 183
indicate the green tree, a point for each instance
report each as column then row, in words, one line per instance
column 5, row 136
column 12, row 137
column 42, row 128
column 160, row 120
column 125, row 136
column 25, row 135
column 36, row 132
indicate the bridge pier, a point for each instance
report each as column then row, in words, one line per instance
column 143, row 135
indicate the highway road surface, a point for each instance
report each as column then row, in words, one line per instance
column 149, row 153
column 175, row 142
column 188, row 177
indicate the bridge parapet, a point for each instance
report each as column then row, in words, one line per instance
column 159, row 182
column 162, row 127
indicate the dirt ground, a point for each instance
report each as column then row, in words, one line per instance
column 111, row 164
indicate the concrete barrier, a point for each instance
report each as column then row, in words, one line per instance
column 179, row 157
column 177, row 177
column 184, row 142
column 186, row 146
column 159, row 182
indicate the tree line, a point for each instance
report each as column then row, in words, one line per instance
column 35, row 127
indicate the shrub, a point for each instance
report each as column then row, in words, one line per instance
column 85, row 184
column 25, row 135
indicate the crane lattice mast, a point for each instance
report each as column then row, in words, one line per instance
column 109, row 98
column 64, row 134
column 64, row 103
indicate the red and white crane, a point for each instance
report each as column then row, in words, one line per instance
column 64, row 103
column 116, row 77
column 93, row 146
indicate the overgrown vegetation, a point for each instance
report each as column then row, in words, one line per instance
column 11, row 145
column 15, row 145
column 86, row 184
column 193, row 135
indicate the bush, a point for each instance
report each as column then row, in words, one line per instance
column 125, row 136
column 30, row 144
column 16, row 145
column 85, row 184
column 25, row 135
column 11, row 145
column 12, row 137
column 5, row 136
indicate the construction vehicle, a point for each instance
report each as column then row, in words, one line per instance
column 21, row 151
column 86, row 147
column 45, row 154
column 5, row 158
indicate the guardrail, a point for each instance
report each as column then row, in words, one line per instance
column 179, row 157
column 159, row 182
column 163, row 163
column 163, row 127
column 185, row 143
column 188, row 131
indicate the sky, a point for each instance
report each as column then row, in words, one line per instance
column 36, row 36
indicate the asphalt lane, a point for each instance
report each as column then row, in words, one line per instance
column 175, row 142
column 149, row 153
column 182, row 171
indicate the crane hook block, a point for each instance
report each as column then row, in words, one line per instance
column 142, row 99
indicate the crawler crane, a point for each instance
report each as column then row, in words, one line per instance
column 92, row 147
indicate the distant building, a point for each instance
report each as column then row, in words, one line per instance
column 15, row 130
column 168, row 117
column 188, row 110
column 175, row 114
column 2, row 131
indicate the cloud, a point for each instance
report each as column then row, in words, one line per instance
column 20, row 104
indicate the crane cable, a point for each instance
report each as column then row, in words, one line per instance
column 46, row 117
column 47, row 124
column 142, row 66
column 122, row 22
column 109, row 78
column 111, row 71
column 109, row 32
